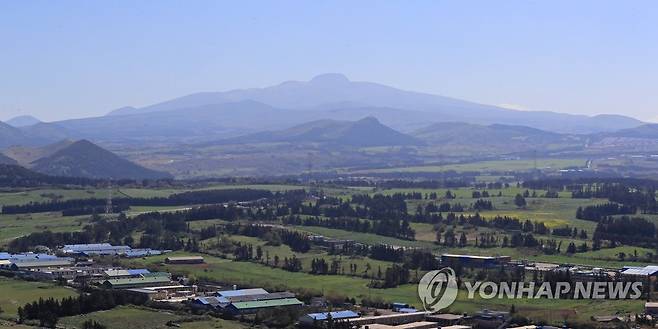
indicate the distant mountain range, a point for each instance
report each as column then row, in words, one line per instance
column 331, row 143
column 34, row 135
column 274, row 130
column 335, row 94
column 497, row 137
column 79, row 159
column 645, row 131
column 210, row 116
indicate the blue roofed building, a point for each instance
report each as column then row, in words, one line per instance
column 473, row 260
column 138, row 271
column 134, row 253
column 29, row 256
column 245, row 301
column 639, row 271
column 648, row 275
column 313, row 319
column 32, row 261
column 210, row 302
column 94, row 249
column 121, row 273
column 407, row 310
column 242, row 292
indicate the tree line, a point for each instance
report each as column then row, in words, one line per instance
column 178, row 199
column 385, row 226
column 48, row 311
column 597, row 212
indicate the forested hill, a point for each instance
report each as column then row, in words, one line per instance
column 6, row 160
column 17, row 176
column 85, row 159
column 362, row 133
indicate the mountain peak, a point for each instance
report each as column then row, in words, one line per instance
column 123, row 110
column 330, row 78
column 23, row 121
column 369, row 120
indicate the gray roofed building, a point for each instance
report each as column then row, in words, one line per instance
column 95, row 249
column 42, row 263
column 252, row 298
column 242, row 292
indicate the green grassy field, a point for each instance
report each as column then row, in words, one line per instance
column 14, row 226
column 123, row 317
column 15, row 293
column 315, row 253
column 488, row 166
column 366, row 238
column 43, row 195
column 10, row 324
column 214, row 323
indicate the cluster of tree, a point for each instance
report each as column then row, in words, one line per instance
column 491, row 240
column 366, row 206
column 571, row 184
column 486, row 240
column 394, row 276
column 55, row 205
column 297, row 241
column 387, row 253
column 385, row 227
column 159, row 231
column 569, row 232
column 179, row 199
column 572, row 248
column 321, row 266
column 597, row 212
column 49, row 239
column 500, row 222
column 631, row 196
column 292, row 264
column 547, row 246
column 519, row 201
column 48, row 311
column 243, row 251
column 90, row 210
column 17, row 176
column 482, row 204
column 382, row 206
column 626, row 230
column 443, row 207
column 523, row 240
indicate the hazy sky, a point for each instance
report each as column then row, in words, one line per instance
column 64, row 59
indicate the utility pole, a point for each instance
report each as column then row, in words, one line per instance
column 109, row 209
